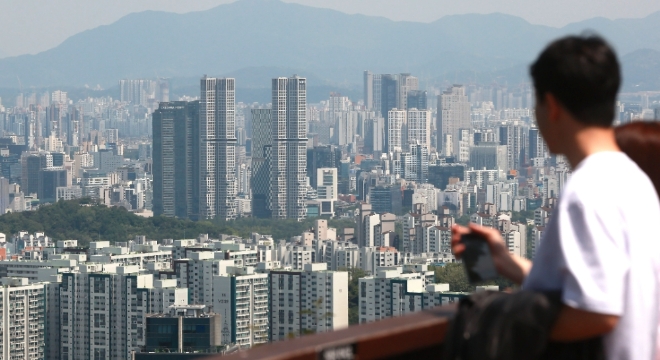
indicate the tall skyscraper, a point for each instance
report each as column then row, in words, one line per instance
column 372, row 90
column 389, row 94
column 514, row 135
column 453, row 114
column 261, row 152
column 217, row 149
column 289, row 148
column 175, row 167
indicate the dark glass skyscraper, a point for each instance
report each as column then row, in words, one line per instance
column 261, row 149
column 327, row 156
column 417, row 99
column 176, row 159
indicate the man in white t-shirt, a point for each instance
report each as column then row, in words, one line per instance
column 601, row 246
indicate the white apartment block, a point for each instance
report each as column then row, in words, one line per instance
column 164, row 294
column 372, row 258
column 435, row 239
column 453, row 115
column 196, row 274
column 396, row 120
column 419, row 127
column 310, row 301
column 413, row 226
column 241, row 299
column 68, row 193
column 23, row 319
column 122, row 256
column 297, row 257
column 338, row 255
column 102, row 313
column 33, row 269
column 391, row 292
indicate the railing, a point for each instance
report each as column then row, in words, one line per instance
column 417, row 335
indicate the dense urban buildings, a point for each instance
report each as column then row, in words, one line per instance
column 375, row 183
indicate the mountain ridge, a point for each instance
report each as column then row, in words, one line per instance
column 334, row 46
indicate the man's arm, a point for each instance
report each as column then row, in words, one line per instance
column 575, row 324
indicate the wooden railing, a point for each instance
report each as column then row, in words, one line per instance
column 413, row 336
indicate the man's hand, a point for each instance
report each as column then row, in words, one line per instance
column 510, row 266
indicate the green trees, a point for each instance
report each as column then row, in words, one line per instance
column 85, row 221
column 354, row 276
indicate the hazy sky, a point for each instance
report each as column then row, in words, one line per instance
column 31, row 26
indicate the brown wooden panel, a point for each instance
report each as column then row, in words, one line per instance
column 411, row 335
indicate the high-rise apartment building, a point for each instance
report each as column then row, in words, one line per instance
column 241, row 299
column 144, row 92
column 310, row 301
column 102, row 314
column 176, row 159
column 514, row 136
column 396, row 121
column 218, row 184
column 453, row 115
column 415, row 163
column 418, row 127
column 261, row 153
column 22, row 307
column 289, row 148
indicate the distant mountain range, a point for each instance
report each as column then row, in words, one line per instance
column 254, row 40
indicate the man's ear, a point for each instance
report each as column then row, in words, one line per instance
column 554, row 107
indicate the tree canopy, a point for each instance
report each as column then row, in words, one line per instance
column 85, row 220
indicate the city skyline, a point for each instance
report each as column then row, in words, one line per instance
column 170, row 211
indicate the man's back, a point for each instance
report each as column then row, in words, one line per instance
column 601, row 250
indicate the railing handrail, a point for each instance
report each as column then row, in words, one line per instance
column 392, row 337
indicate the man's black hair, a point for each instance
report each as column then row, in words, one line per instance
column 583, row 74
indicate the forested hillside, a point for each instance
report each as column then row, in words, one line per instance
column 86, row 221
